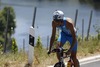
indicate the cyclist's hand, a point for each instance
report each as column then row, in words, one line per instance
column 48, row 52
column 68, row 52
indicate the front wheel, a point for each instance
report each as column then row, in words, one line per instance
column 59, row 64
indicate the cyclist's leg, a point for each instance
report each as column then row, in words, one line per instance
column 74, row 58
column 61, row 41
column 74, row 52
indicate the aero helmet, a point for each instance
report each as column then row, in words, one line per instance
column 58, row 15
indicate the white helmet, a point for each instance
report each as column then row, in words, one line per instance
column 58, row 15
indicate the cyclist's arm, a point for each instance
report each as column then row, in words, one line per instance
column 71, row 27
column 53, row 35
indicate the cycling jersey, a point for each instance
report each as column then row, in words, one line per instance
column 66, row 35
column 64, row 29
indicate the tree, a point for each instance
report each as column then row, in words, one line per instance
column 8, row 25
column 11, row 19
column 2, row 24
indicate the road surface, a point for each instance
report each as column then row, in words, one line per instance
column 93, row 64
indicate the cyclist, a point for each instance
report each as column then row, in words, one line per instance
column 68, row 33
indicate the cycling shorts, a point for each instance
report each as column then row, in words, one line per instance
column 63, row 37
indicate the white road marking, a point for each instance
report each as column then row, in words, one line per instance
column 89, row 62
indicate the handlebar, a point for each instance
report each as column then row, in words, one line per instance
column 59, row 50
column 62, row 51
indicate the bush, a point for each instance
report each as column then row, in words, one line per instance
column 39, row 51
column 14, row 46
column 39, row 47
column 39, row 43
column 99, row 36
column 79, row 38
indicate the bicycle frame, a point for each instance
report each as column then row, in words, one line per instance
column 61, row 53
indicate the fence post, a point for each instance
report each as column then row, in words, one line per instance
column 47, row 41
column 82, row 29
column 76, row 16
column 32, row 40
column 89, row 25
column 24, row 45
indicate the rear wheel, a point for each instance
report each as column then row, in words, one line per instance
column 59, row 64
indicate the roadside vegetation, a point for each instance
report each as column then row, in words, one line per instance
column 85, row 49
column 19, row 59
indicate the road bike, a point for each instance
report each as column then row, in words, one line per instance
column 62, row 53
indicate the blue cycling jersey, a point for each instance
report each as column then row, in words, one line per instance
column 64, row 29
column 66, row 35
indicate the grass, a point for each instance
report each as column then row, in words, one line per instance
column 88, row 47
column 12, row 60
column 85, row 48
column 41, row 59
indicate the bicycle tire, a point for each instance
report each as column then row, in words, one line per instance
column 59, row 64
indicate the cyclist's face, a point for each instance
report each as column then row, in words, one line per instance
column 58, row 23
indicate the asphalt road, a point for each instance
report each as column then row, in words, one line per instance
column 93, row 64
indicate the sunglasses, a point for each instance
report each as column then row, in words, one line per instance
column 57, row 20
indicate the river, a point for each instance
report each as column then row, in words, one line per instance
column 24, row 15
